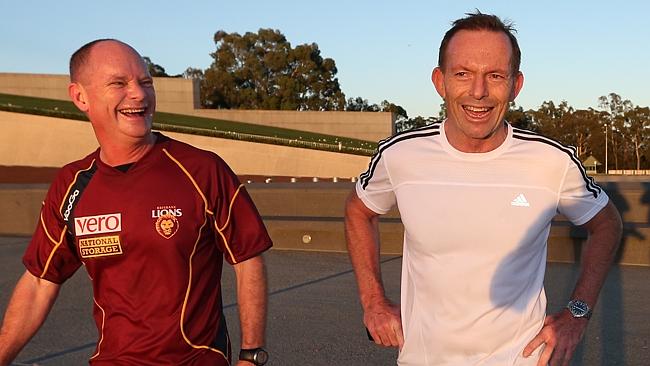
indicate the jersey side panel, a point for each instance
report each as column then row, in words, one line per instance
column 50, row 254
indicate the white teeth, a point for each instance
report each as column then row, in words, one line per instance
column 134, row 110
column 476, row 109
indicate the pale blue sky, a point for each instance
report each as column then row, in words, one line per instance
column 571, row 50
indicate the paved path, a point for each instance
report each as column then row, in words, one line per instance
column 315, row 318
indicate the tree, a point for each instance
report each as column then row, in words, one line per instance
column 585, row 124
column 616, row 107
column 442, row 114
column 567, row 125
column 551, row 120
column 262, row 71
column 406, row 124
column 359, row 104
column 637, row 124
column 399, row 112
column 193, row 73
column 155, row 70
column 519, row 118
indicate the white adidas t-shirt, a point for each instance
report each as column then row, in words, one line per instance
column 476, row 227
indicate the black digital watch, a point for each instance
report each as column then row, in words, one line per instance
column 257, row 356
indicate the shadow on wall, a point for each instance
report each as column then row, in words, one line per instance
column 611, row 300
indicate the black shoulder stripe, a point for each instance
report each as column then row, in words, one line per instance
column 570, row 151
column 77, row 187
column 390, row 141
column 429, row 130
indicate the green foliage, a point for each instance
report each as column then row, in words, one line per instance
column 442, row 114
column 637, row 130
column 618, row 133
column 411, row 123
column 519, row 118
column 359, row 104
column 399, row 112
column 193, row 73
column 262, row 71
column 155, row 70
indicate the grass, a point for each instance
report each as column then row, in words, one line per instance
column 201, row 126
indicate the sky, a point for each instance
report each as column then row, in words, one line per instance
column 384, row 50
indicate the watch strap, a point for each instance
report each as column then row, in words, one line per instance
column 258, row 356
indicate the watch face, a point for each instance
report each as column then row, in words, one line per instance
column 578, row 308
column 261, row 356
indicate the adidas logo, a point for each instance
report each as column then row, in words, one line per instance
column 520, row 201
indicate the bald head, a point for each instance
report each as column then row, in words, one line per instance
column 80, row 59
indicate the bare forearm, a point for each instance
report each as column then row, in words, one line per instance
column 252, row 299
column 30, row 303
column 381, row 317
column 362, row 237
column 562, row 332
column 598, row 254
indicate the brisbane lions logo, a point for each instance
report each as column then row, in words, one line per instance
column 166, row 220
column 167, row 225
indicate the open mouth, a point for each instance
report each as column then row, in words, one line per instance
column 477, row 112
column 133, row 112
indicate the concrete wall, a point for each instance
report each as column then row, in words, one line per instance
column 29, row 140
column 371, row 126
column 309, row 216
column 35, row 85
column 173, row 95
column 176, row 95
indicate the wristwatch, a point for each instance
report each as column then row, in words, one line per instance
column 257, row 356
column 579, row 309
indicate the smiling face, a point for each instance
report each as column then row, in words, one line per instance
column 477, row 84
column 116, row 92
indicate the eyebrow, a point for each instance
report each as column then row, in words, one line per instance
column 116, row 76
column 464, row 67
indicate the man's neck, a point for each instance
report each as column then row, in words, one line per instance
column 114, row 154
column 468, row 145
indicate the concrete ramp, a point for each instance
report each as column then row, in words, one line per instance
column 30, row 140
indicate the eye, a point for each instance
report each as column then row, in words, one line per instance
column 461, row 74
column 117, row 83
column 146, row 82
column 495, row 76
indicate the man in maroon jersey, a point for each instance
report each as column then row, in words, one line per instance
column 151, row 219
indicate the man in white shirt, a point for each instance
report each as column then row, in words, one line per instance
column 476, row 197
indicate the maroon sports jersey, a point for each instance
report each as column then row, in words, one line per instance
column 153, row 240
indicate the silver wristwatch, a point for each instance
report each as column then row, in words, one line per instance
column 579, row 309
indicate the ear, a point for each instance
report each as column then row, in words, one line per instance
column 519, row 83
column 78, row 95
column 438, row 79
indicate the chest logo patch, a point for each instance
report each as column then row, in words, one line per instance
column 100, row 246
column 100, row 224
column 166, row 220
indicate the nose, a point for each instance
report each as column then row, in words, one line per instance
column 479, row 88
column 137, row 91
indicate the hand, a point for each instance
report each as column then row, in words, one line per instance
column 244, row 363
column 561, row 334
column 383, row 320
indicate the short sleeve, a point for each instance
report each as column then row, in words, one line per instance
column 375, row 188
column 50, row 254
column 237, row 221
column 580, row 197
